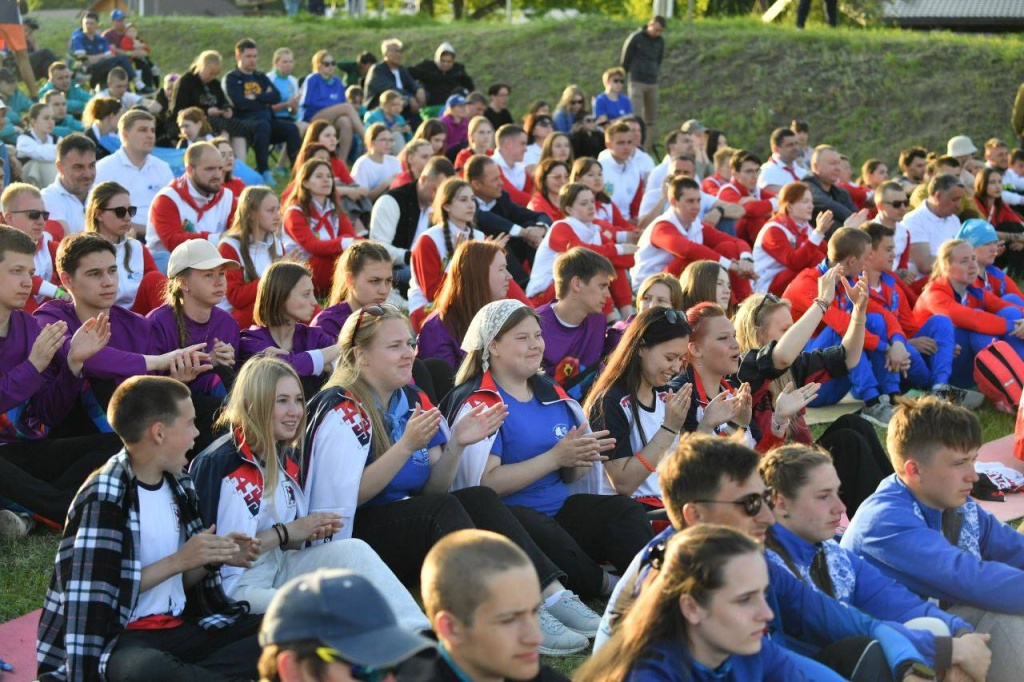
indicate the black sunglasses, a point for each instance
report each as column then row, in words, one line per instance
column 898, row 204
column 34, row 214
column 676, row 317
column 751, row 503
column 373, row 310
column 616, row 80
column 326, row 63
column 577, row 101
column 122, row 211
column 767, row 297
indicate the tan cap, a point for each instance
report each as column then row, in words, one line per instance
column 960, row 145
column 197, row 254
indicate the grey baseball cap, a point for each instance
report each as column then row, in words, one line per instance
column 344, row 611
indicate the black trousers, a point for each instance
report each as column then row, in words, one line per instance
column 859, row 659
column 858, row 456
column 187, row 653
column 587, row 531
column 831, row 12
column 44, row 475
column 403, row 532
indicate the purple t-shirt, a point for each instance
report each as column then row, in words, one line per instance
column 257, row 339
column 221, row 326
column 437, row 341
column 332, row 319
column 31, row 401
column 130, row 337
column 584, row 342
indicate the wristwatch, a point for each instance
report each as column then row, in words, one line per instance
column 914, row 668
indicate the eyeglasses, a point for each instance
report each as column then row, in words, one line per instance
column 898, row 204
column 375, row 311
column 122, row 211
column 589, row 119
column 359, row 672
column 576, row 101
column 769, row 297
column 34, row 214
column 326, row 63
column 751, row 503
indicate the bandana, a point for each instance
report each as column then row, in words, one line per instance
column 486, row 324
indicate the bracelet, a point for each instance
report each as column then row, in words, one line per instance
column 674, row 433
column 647, row 465
column 779, row 426
column 821, row 304
column 282, row 533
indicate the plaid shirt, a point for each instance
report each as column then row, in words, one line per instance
column 97, row 574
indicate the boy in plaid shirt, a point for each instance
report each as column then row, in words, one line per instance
column 136, row 589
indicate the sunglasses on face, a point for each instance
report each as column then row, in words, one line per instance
column 616, row 80
column 898, row 204
column 327, row 63
column 767, row 298
column 577, row 101
column 751, row 503
column 589, row 119
column 34, row 214
column 122, row 211
column 359, row 672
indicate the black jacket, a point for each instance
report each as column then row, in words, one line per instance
column 441, row 84
column 836, row 199
column 505, row 213
column 409, row 218
column 380, row 79
column 193, row 92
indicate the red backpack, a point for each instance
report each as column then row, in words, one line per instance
column 999, row 373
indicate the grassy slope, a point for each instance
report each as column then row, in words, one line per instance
column 870, row 92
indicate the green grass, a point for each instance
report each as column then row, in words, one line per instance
column 26, row 573
column 870, row 92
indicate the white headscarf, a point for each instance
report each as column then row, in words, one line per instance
column 486, row 324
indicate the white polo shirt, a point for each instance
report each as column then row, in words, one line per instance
column 64, row 206
column 925, row 227
column 625, row 180
column 143, row 184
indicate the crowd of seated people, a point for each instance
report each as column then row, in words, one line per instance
column 530, row 368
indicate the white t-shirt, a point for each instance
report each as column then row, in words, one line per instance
column 368, row 173
column 161, row 535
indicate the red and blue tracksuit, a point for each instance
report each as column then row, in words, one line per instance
column 864, row 379
column 999, row 283
column 924, row 372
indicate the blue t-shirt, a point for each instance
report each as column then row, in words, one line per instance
column 413, row 475
column 603, row 106
column 285, row 85
column 530, row 429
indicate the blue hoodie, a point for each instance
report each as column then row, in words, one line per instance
column 903, row 538
column 863, row 586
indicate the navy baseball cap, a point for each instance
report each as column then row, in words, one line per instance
column 455, row 100
column 344, row 611
column 977, row 232
column 117, row 15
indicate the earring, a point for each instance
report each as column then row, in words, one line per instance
column 785, row 515
column 700, row 364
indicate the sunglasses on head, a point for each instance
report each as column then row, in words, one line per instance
column 359, row 672
column 751, row 503
column 900, row 203
column 769, row 297
column 372, row 310
column 122, row 211
column 676, row 317
column 34, row 214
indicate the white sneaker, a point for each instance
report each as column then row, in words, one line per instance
column 575, row 615
column 14, row 525
column 558, row 639
column 880, row 413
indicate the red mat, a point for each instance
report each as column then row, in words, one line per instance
column 18, row 647
column 1001, row 451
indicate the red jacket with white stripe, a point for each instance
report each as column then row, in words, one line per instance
column 175, row 216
